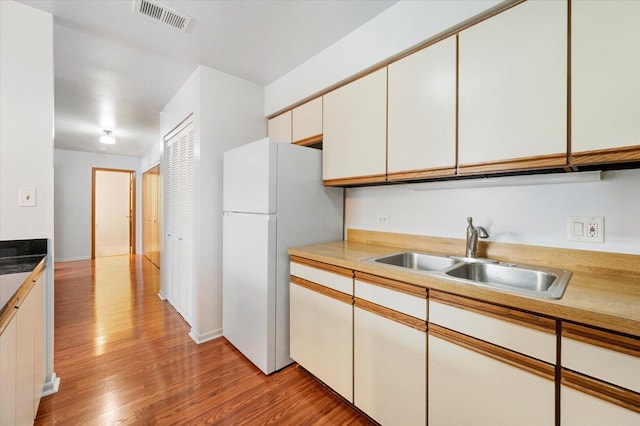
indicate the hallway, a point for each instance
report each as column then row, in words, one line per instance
column 124, row 357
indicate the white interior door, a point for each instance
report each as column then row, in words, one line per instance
column 112, row 213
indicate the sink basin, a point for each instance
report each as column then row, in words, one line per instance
column 416, row 261
column 528, row 280
column 534, row 281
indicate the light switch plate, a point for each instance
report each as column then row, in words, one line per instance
column 586, row 229
column 27, row 197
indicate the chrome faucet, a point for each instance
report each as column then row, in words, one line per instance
column 473, row 232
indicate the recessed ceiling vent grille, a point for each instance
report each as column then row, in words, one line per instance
column 162, row 13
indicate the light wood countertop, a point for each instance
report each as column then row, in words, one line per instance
column 594, row 296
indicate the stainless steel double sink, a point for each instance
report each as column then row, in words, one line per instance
column 528, row 280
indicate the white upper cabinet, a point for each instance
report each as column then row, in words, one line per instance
column 355, row 131
column 280, row 127
column 513, row 89
column 422, row 113
column 307, row 122
column 605, row 81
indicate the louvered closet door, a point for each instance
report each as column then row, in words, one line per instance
column 178, row 279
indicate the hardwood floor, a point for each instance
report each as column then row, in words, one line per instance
column 124, row 357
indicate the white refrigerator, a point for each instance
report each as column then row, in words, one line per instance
column 273, row 199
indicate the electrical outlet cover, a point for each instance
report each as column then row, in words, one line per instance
column 586, row 229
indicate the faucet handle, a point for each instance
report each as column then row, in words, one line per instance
column 482, row 233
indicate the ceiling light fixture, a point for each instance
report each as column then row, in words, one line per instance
column 107, row 138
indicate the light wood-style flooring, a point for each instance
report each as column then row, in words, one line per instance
column 124, row 357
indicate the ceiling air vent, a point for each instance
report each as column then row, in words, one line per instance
column 162, row 13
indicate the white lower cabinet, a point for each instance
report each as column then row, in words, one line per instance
column 25, row 372
column 22, row 359
column 474, row 381
column 469, row 387
column 8, row 363
column 40, row 356
column 405, row 359
column 321, row 325
column 390, row 352
column 600, row 377
column 579, row 408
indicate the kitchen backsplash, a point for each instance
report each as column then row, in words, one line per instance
column 535, row 214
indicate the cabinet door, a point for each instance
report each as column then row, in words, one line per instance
column 390, row 350
column 321, row 333
column 280, row 127
column 513, row 90
column 468, row 387
column 605, row 81
column 25, row 372
column 581, row 409
column 390, row 369
column 307, row 122
column 39, row 295
column 422, row 113
column 8, row 364
column 355, row 131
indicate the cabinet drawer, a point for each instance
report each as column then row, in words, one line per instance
column 500, row 326
column 389, row 297
column 606, row 356
column 338, row 279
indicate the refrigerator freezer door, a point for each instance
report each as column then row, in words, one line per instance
column 250, row 178
column 249, row 286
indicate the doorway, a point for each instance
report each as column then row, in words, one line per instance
column 113, row 212
column 151, row 186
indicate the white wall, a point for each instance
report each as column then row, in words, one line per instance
column 152, row 157
column 234, row 117
column 399, row 28
column 26, row 138
column 228, row 112
column 73, row 174
column 533, row 214
column 26, row 120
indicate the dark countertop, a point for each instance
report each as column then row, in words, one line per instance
column 13, row 265
column 19, row 260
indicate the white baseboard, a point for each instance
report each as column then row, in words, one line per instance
column 71, row 259
column 161, row 295
column 51, row 386
column 205, row 337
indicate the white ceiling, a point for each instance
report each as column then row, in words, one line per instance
column 115, row 69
